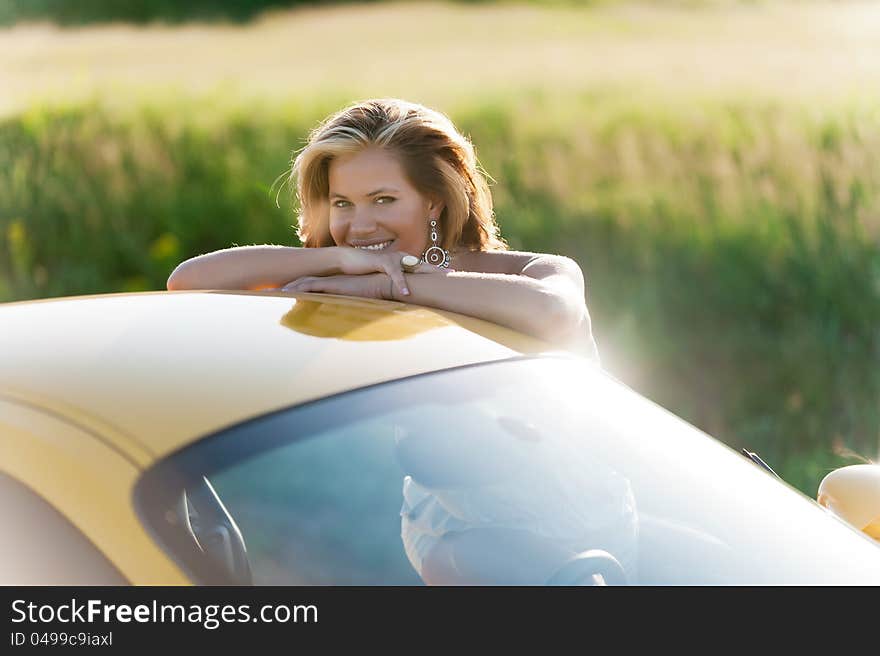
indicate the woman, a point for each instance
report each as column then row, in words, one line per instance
column 385, row 179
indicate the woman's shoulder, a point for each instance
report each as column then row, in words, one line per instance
column 509, row 262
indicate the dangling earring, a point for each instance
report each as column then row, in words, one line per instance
column 435, row 254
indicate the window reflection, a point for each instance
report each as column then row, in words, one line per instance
column 532, row 471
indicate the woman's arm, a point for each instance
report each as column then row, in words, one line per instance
column 545, row 301
column 252, row 267
column 261, row 267
column 519, row 302
column 565, row 274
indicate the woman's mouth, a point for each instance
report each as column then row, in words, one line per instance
column 376, row 247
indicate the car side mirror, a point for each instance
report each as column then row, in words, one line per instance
column 853, row 494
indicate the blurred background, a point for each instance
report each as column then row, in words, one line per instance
column 714, row 167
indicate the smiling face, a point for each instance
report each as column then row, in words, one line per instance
column 372, row 203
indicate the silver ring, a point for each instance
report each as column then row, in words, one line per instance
column 409, row 263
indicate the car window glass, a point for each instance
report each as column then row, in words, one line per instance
column 530, row 471
column 322, row 511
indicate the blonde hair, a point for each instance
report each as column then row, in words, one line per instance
column 437, row 160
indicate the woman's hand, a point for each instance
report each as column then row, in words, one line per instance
column 371, row 285
column 368, row 285
column 357, row 261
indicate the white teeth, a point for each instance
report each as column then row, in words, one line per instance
column 376, row 247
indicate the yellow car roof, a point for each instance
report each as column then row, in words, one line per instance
column 154, row 371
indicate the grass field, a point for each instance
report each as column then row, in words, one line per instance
column 448, row 54
column 714, row 170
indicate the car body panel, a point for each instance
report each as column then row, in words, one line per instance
column 89, row 482
column 153, row 371
column 95, row 391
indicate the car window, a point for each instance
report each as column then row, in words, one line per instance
column 529, row 471
column 40, row 547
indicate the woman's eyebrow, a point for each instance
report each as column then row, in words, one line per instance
column 381, row 190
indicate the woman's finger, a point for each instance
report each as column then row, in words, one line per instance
column 396, row 276
column 299, row 284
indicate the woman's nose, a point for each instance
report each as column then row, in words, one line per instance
column 362, row 223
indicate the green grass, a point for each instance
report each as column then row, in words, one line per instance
column 730, row 248
column 82, row 12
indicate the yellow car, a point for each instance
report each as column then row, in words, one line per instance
column 262, row 438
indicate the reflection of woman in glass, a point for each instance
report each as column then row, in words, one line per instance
column 386, row 179
column 500, row 501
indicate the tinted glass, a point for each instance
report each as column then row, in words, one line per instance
column 530, row 471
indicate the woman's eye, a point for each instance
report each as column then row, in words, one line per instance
column 340, row 203
column 385, row 200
